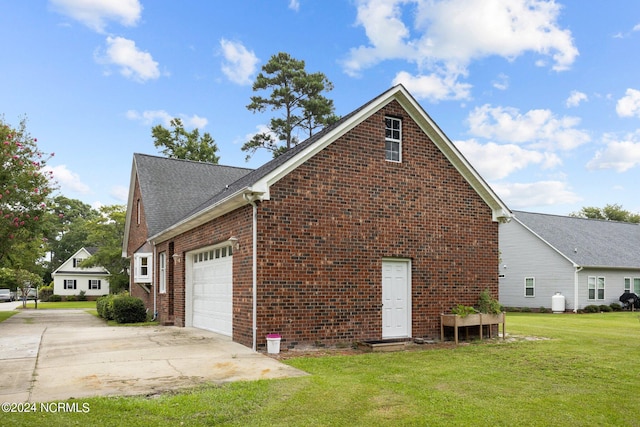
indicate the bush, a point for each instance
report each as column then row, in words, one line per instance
column 54, row 298
column 128, row 309
column 591, row 309
column 604, row 308
column 104, row 306
column 45, row 292
column 615, row 306
column 543, row 310
column 526, row 310
column 70, row 298
column 82, row 296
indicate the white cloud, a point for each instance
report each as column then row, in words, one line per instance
column 496, row 161
column 119, row 192
column 536, row 128
column 153, row 116
column 447, row 35
column 434, row 87
column 133, row 63
column 575, row 98
column 95, row 13
column 239, row 63
column 68, row 180
column 619, row 155
column 294, row 5
column 541, row 193
column 629, row 105
column 502, row 82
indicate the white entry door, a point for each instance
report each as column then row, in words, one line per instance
column 396, row 298
column 213, row 290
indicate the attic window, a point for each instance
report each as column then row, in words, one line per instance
column 393, row 139
column 77, row 262
column 138, row 211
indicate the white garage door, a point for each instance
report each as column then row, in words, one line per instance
column 213, row 290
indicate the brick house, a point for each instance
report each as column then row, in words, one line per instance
column 368, row 230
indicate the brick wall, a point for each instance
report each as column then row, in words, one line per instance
column 330, row 223
column 137, row 237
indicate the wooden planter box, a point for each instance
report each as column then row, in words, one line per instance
column 479, row 319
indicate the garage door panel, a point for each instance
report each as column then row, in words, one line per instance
column 213, row 295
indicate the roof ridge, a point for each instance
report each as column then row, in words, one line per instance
column 191, row 161
column 576, row 217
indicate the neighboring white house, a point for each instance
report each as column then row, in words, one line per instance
column 71, row 279
column 590, row 262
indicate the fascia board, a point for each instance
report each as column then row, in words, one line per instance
column 130, row 207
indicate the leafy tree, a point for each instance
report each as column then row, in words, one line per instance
column 70, row 232
column 298, row 95
column 180, row 144
column 26, row 280
column 613, row 212
column 106, row 231
column 25, row 187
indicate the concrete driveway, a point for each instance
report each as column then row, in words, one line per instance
column 48, row 355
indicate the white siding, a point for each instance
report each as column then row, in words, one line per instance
column 614, row 285
column 522, row 254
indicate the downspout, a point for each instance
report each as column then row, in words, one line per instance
column 576, row 288
column 155, row 282
column 251, row 199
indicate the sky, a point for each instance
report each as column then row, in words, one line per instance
column 542, row 97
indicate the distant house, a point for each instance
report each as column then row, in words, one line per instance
column 590, row 262
column 71, row 279
column 368, row 230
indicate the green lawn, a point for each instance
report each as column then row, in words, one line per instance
column 4, row 315
column 61, row 304
column 584, row 372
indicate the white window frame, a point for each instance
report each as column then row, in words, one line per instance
column 597, row 286
column 162, row 272
column 142, row 267
column 70, row 284
column 77, row 261
column 532, row 287
column 636, row 285
column 390, row 137
column 627, row 284
column 95, row 284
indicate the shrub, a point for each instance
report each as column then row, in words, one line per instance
column 128, row 309
column 543, row 310
column 526, row 310
column 82, row 296
column 615, row 306
column 70, row 298
column 54, row 298
column 591, row 309
column 104, row 306
column 45, row 292
column 604, row 308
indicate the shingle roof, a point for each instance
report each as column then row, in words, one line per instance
column 587, row 242
column 171, row 188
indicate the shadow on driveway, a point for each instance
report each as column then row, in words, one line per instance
column 51, row 355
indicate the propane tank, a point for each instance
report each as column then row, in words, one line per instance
column 557, row 303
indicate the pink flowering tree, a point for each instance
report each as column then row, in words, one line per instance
column 25, row 189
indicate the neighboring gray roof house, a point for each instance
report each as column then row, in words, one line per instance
column 588, row 261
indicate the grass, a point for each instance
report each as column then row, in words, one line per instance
column 4, row 315
column 584, row 372
column 61, row 305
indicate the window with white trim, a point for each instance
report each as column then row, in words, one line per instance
column 393, row 139
column 529, row 286
column 142, row 267
column 595, row 287
column 94, row 283
column 70, row 284
column 162, row 272
column 636, row 285
column 77, row 261
column 211, row 254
